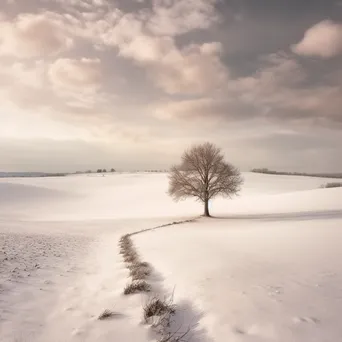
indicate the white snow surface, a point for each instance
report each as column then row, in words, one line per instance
column 267, row 267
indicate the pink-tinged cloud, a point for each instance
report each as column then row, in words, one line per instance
column 322, row 40
column 76, row 73
column 33, row 35
column 175, row 17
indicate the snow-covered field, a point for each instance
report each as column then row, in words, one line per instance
column 266, row 268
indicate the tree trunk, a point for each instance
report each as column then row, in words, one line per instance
column 206, row 208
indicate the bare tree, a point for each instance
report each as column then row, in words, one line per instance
column 204, row 174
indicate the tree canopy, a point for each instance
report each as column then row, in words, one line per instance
column 204, row 174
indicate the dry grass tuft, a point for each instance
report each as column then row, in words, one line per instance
column 140, row 271
column 107, row 314
column 141, row 264
column 157, row 307
column 137, row 287
column 131, row 257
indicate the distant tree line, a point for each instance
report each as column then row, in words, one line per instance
column 156, row 171
column 104, row 170
column 97, row 171
column 332, row 185
column 271, row 172
column 30, row 174
column 114, row 170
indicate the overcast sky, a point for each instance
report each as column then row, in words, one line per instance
column 87, row 84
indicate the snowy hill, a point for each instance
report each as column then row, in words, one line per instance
column 267, row 268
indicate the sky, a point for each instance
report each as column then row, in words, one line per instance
column 130, row 84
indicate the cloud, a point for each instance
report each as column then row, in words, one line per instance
column 214, row 112
column 33, row 35
column 22, row 84
column 20, row 73
column 51, row 33
column 175, row 17
column 184, row 109
column 77, row 3
column 278, row 91
column 78, row 82
column 281, row 91
column 135, row 75
column 194, row 70
column 78, row 90
column 69, row 90
column 146, row 37
column 277, row 76
column 322, row 40
column 136, row 29
column 76, row 73
column 82, row 4
column 146, row 49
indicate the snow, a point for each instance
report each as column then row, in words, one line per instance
column 266, row 268
column 84, row 198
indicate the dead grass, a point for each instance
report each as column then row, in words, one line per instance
column 140, row 264
column 175, row 337
column 139, row 274
column 127, row 250
column 137, row 287
column 157, row 312
column 107, row 314
column 158, row 307
column 139, row 271
column 126, row 247
column 131, row 257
